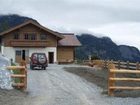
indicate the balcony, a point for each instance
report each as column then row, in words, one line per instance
column 28, row 43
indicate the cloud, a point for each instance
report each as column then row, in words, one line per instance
column 122, row 33
column 109, row 17
column 87, row 12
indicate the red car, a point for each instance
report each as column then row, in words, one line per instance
column 38, row 60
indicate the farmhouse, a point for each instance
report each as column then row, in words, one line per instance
column 21, row 41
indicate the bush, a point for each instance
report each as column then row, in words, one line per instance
column 95, row 57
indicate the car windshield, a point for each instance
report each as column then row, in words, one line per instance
column 41, row 56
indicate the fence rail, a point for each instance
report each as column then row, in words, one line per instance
column 22, row 76
column 118, row 64
column 112, row 79
column 117, row 67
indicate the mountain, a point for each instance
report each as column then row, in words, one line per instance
column 8, row 21
column 105, row 48
column 129, row 53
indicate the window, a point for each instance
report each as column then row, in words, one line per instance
column 26, row 36
column 43, row 37
column 33, row 37
column 16, row 36
column 30, row 36
column 18, row 53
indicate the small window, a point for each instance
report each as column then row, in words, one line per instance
column 43, row 37
column 16, row 36
column 30, row 36
column 18, row 52
column 33, row 37
column 26, row 36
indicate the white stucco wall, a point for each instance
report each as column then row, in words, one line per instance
column 10, row 51
column 44, row 50
column 2, row 49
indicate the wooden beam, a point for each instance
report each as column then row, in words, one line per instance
column 124, row 71
column 123, row 66
column 18, row 84
column 124, row 79
column 125, row 88
column 18, row 76
column 16, row 67
column 123, row 63
column 131, row 67
column 134, row 64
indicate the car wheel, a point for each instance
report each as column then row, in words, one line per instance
column 44, row 68
column 31, row 67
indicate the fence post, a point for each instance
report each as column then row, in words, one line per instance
column 111, row 83
column 137, row 66
column 119, row 64
column 75, row 61
column 111, row 61
column 105, row 64
column 108, row 62
column 25, row 81
column 127, row 64
column 24, row 72
column 83, row 61
column 23, row 63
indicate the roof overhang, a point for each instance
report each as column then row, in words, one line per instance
column 58, row 35
column 69, row 40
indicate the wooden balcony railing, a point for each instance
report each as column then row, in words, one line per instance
column 28, row 43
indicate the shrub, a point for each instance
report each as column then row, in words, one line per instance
column 95, row 57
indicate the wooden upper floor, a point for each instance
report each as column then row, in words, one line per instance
column 32, row 34
column 29, row 35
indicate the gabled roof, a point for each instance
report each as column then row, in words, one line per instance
column 69, row 40
column 36, row 24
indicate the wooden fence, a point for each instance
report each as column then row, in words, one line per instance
column 118, row 64
column 22, row 82
column 126, row 65
column 113, row 79
column 117, row 67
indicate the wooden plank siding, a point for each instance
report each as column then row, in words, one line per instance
column 65, row 54
column 9, row 40
column 32, row 43
column 60, row 44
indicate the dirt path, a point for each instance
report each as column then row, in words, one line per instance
column 58, row 87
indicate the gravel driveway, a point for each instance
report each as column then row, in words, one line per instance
column 55, row 86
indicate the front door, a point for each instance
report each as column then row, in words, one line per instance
column 18, row 57
column 51, row 57
column 22, row 55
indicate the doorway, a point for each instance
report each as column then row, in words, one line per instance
column 22, row 55
column 18, row 54
column 51, row 57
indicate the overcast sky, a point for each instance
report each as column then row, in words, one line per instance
column 118, row 19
